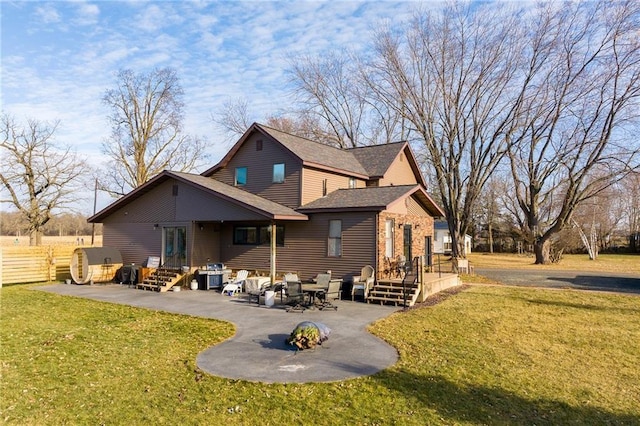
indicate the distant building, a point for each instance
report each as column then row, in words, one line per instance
column 442, row 242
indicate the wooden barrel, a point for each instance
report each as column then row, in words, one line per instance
column 94, row 264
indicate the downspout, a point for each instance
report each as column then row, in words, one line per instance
column 272, row 271
column 193, row 237
column 377, row 244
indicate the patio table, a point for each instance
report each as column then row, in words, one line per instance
column 312, row 290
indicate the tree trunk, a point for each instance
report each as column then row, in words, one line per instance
column 35, row 238
column 490, row 238
column 542, row 249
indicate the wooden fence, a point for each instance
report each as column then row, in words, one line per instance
column 35, row 264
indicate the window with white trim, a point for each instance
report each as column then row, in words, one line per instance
column 388, row 238
column 335, row 238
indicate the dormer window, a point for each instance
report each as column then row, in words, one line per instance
column 241, row 176
column 352, row 182
column 278, row 173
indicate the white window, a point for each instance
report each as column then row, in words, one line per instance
column 446, row 240
column 388, row 238
column 335, row 238
column 352, row 182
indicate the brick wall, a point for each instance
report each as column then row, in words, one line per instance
column 421, row 227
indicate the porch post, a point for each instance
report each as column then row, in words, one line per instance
column 272, row 271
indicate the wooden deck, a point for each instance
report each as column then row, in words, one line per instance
column 389, row 290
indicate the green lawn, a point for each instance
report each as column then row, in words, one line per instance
column 487, row 355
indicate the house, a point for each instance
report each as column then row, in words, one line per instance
column 442, row 242
column 279, row 202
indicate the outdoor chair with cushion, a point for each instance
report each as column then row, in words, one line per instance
column 254, row 290
column 236, row 286
column 363, row 283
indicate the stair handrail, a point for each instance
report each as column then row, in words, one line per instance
column 409, row 266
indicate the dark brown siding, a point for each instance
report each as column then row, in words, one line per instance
column 305, row 249
column 131, row 228
column 135, row 241
column 206, row 244
column 156, row 206
column 259, row 166
column 194, row 204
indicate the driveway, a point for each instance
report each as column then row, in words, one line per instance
column 258, row 352
column 599, row 281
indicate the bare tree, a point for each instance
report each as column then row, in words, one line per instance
column 630, row 200
column 326, row 88
column 581, row 90
column 233, row 117
column 38, row 176
column 333, row 105
column 334, row 93
column 452, row 78
column 489, row 208
column 147, row 137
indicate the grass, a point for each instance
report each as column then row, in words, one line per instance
column 618, row 263
column 487, row 355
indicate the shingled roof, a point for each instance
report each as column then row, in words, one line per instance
column 316, row 153
column 375, row 198
column 377, row 158
column 235, row 195
column 370, row 162
column 365, row 162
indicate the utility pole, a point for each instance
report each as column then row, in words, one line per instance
column 95, row 201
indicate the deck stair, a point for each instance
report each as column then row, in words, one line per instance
column 391, row 291
column 163, row 279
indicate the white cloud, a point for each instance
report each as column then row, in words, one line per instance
column 87, row 14
column 60, row 68
column 47, row 14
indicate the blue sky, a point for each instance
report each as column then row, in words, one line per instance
column 58, row 58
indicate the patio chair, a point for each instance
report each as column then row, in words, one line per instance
column 363, row 283
column 321, row 276
column 401, row 263
column 236, row 285
column 254, row 289
column 295, row 296
column 323, row 279
column 332, row 292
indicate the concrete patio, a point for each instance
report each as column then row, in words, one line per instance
column 258, row 351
